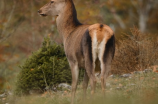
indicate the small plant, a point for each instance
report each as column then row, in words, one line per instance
column 43, row 69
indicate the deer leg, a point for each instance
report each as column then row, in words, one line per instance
column 105, row 68
column 90, row 69
column 91, row 75
column 75, row 73
column 104, row 75
column 89, row 59
column 93, row 84
column 85, row 84
column 93, row 78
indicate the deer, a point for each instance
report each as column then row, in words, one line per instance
column 91, row 47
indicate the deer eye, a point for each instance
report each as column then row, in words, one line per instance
column 52, row 2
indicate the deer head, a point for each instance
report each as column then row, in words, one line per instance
column 53, row 8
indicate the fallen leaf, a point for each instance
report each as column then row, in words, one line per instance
column 32, row 69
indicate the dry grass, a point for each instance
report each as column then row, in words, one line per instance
column 137, row 89
column 135, row 52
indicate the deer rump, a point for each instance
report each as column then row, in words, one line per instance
column 90, row 47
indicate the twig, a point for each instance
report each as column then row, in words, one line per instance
column 44, row 78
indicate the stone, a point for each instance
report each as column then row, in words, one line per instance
column 64, row 85
column 126, row 75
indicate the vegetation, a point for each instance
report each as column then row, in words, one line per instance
column 22, row 31
column 44, row 69
column 135, row 52
column 138, row 88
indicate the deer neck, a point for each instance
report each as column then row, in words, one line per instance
column 67, row 21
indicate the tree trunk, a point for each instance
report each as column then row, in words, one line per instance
column 142, row 22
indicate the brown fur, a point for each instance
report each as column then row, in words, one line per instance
column 101, row 30
column 80, row 46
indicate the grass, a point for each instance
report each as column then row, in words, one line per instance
column 137, row 89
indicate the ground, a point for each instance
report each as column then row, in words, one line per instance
column 135, row 88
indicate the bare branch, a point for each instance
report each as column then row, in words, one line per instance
column 116, row 16
column 150, row 5
column 2, row 5
column 134, row 4
column 8, row 21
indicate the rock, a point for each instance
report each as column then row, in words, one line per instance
column 112, row 76
column 54, row 88
column 107, row 84
column 138, row 72
column 64, row 85
column 144, row 71
column 126, row 75
column 119, row 88
column 3, row 95
column 10, row 93
column 147, row 70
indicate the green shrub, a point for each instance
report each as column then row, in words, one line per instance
column 45, row 68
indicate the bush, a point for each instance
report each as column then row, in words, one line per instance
column 135, row 52
column 45, row 68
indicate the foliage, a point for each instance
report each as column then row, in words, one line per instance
column 45, row 68
column 135, row 52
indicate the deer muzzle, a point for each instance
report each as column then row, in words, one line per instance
column 40, row 12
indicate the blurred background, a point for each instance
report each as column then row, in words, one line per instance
column 22, row 30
